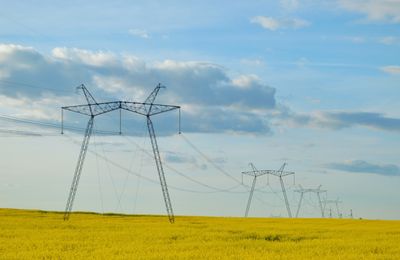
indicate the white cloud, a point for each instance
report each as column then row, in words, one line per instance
column 361, row 166
column 245, row 81
column 253, row 62
column 389, row 40
column 222, row 103
column 339, row 120
column 98, row 59
column 356, row 39
column 44, row 108
column 375, row 10
column 139, row 33
column 274, row 24
column 391, row 69
column 215, row 101
column 266, row 22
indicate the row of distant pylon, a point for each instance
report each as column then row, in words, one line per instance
column 255, row 173
column 148, row 108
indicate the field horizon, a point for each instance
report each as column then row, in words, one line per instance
column 39, row 234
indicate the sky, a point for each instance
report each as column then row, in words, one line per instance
column 314, row 84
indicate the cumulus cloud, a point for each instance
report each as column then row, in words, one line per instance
column 212, row 100
column 274, row 24
column 360, row 166
column 391, row 69
column 389, row 40
column 375, row 10
column 98, row 59
column 139, row 33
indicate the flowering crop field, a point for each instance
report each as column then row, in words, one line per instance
column 26, row 234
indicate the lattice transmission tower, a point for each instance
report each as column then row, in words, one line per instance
column 317, row 191
column 281, row 173
column 336, row 203
column 254, row 173
column 148, row 108
column 91, row 109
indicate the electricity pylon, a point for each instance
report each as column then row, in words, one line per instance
column 302, row 191
column 254, row 173
column 320, row 202
column 336, row 202
column 280, row 173
column 92, row 109
column 148, row 108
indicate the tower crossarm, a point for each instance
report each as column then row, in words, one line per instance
column 147, row 109
column 94, row 109
column 257, row 173
column 280, row 173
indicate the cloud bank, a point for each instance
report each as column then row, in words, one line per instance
column 340, row 120
column 211, row 99
column 360, row 166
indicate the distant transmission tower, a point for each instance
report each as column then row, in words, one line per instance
column 280, row 173
column 302, row 191
column 336, row 203
column 148, row 108
column 91, row 109
column 254, row 173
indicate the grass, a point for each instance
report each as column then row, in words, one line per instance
column 44, row 235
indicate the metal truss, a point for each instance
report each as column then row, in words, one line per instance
column 281, row 173
column 148, row 109
column 336, row 203
column 92, row 109
column 254, row 173
column 302, row 191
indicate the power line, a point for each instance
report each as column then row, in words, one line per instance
column 7, row 83
column 50, row 125
column 210, row 161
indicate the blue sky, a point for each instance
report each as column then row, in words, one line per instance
column 312, row 83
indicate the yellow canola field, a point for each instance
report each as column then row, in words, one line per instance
column 44, row 235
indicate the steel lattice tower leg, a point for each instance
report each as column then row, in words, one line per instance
column 320, row 205
column 78, row 169
column 298, row 208
column 286, row 199
column 337, row 210
column 160, row 170
column 250, row 196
